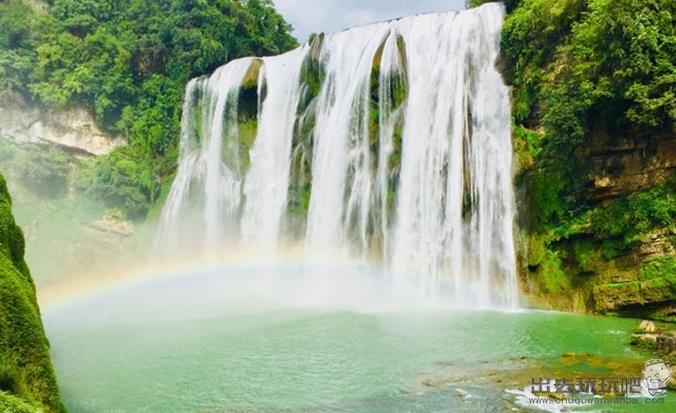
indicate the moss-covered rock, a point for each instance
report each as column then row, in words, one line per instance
column 249, row 97
column 251, row 77
column 617, row 257
column 13, row 404
column 615, row 296
column 312, row 76
column 25, row 367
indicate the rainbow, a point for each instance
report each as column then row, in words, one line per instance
column 55, row 295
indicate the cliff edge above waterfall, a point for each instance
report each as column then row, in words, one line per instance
column 27, row 380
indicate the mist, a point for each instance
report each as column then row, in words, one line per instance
column 70, row 235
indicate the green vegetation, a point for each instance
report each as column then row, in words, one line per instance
column 575, row 61
column 664, row 267
column 585, row 73
column 312, row 75
column 44, row 169
column 623, row 224
column 630, row 219
column 127, row 63
column 61, row 224
column 25, row 367
column 247, row 114
column 13, row 404
column 550, row 274
column 120, row 181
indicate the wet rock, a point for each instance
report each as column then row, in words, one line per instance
column 428, row 382
column 251, row 77
column 624, row 164
column 666, row 342
column 616, row 163
column 658, row 244
column 646, row 340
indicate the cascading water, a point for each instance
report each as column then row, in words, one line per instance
column 205, row 183
column 455, row 198
column 267, row 182
column 390, row 140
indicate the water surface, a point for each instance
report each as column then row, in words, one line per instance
column 204, row 343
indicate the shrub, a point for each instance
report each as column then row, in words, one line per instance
column 45, row 169
column 121, row 181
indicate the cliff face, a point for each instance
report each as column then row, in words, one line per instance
column 609, row 268
column 625, row 163
column 73, row 130
column 593, row 110
column 27, row 380
column 642, row 279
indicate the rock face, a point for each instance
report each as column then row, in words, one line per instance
column 608, row 297
column 627, row 163
column 624, row 165
column 575, row 272
column 26, row 373
column 73, row 129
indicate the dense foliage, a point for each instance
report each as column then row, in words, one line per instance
column 25, row 367
column 579, row 64
column 574, row 61
column 127, row 61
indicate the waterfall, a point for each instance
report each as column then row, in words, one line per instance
column 267, row 183
column 389, row 141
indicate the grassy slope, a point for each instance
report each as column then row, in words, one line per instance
column 25, row 365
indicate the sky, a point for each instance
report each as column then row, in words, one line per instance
column 328, row 16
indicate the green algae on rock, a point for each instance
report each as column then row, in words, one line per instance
column 26, row 371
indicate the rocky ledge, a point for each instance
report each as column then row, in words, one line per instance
column 72, row 129
column 660, row 339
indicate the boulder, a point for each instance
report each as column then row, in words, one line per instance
column 647, row 326
column 666, row 341
column 645, row 340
